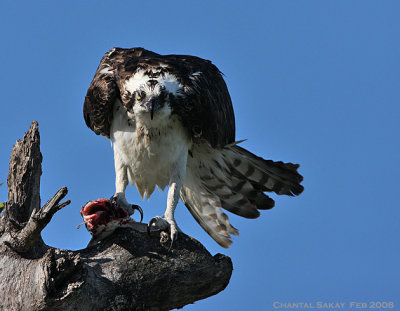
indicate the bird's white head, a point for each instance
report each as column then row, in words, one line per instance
column 148, row 94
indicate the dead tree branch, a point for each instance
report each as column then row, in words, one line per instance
column 127, row 271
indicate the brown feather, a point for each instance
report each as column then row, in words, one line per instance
column 205, row 108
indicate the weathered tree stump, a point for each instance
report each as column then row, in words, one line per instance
column 127, row 271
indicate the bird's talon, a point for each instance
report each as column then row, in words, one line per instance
column 120, row 201
column 164, row 225
column 169, row 249
column 152, row 222
column 163, row 237
column 138, row 208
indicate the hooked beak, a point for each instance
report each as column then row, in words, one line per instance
column 152, row 106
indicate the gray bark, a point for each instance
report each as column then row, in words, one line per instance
column 129, row 270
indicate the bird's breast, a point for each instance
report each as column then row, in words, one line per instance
column 150, row 153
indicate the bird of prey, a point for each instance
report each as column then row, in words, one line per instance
column 171, row 123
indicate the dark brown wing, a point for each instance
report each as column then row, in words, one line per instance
column 205, row 107
column 100, row 98
column 103, row 90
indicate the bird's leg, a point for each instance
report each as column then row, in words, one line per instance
column 167, row 222
column 121, row 181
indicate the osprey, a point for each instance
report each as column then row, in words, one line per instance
column 171, row 123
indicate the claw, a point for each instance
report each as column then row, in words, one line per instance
column 174, row 236
column 152, row 221
column 172, row 241
column 138, row 208
column 164, row 225
column 130, row 208
column 114, row 199
column 164, row 237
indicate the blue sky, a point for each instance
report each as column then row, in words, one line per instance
column 312, row 82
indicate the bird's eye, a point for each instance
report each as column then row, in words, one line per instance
column 138, row 97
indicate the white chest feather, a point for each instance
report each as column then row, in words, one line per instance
column 150, row 150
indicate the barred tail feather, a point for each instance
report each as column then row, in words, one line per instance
column 206, row 209
column 266, row 175
column 233, row 179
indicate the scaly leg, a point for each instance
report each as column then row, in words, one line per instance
column 175, row 185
